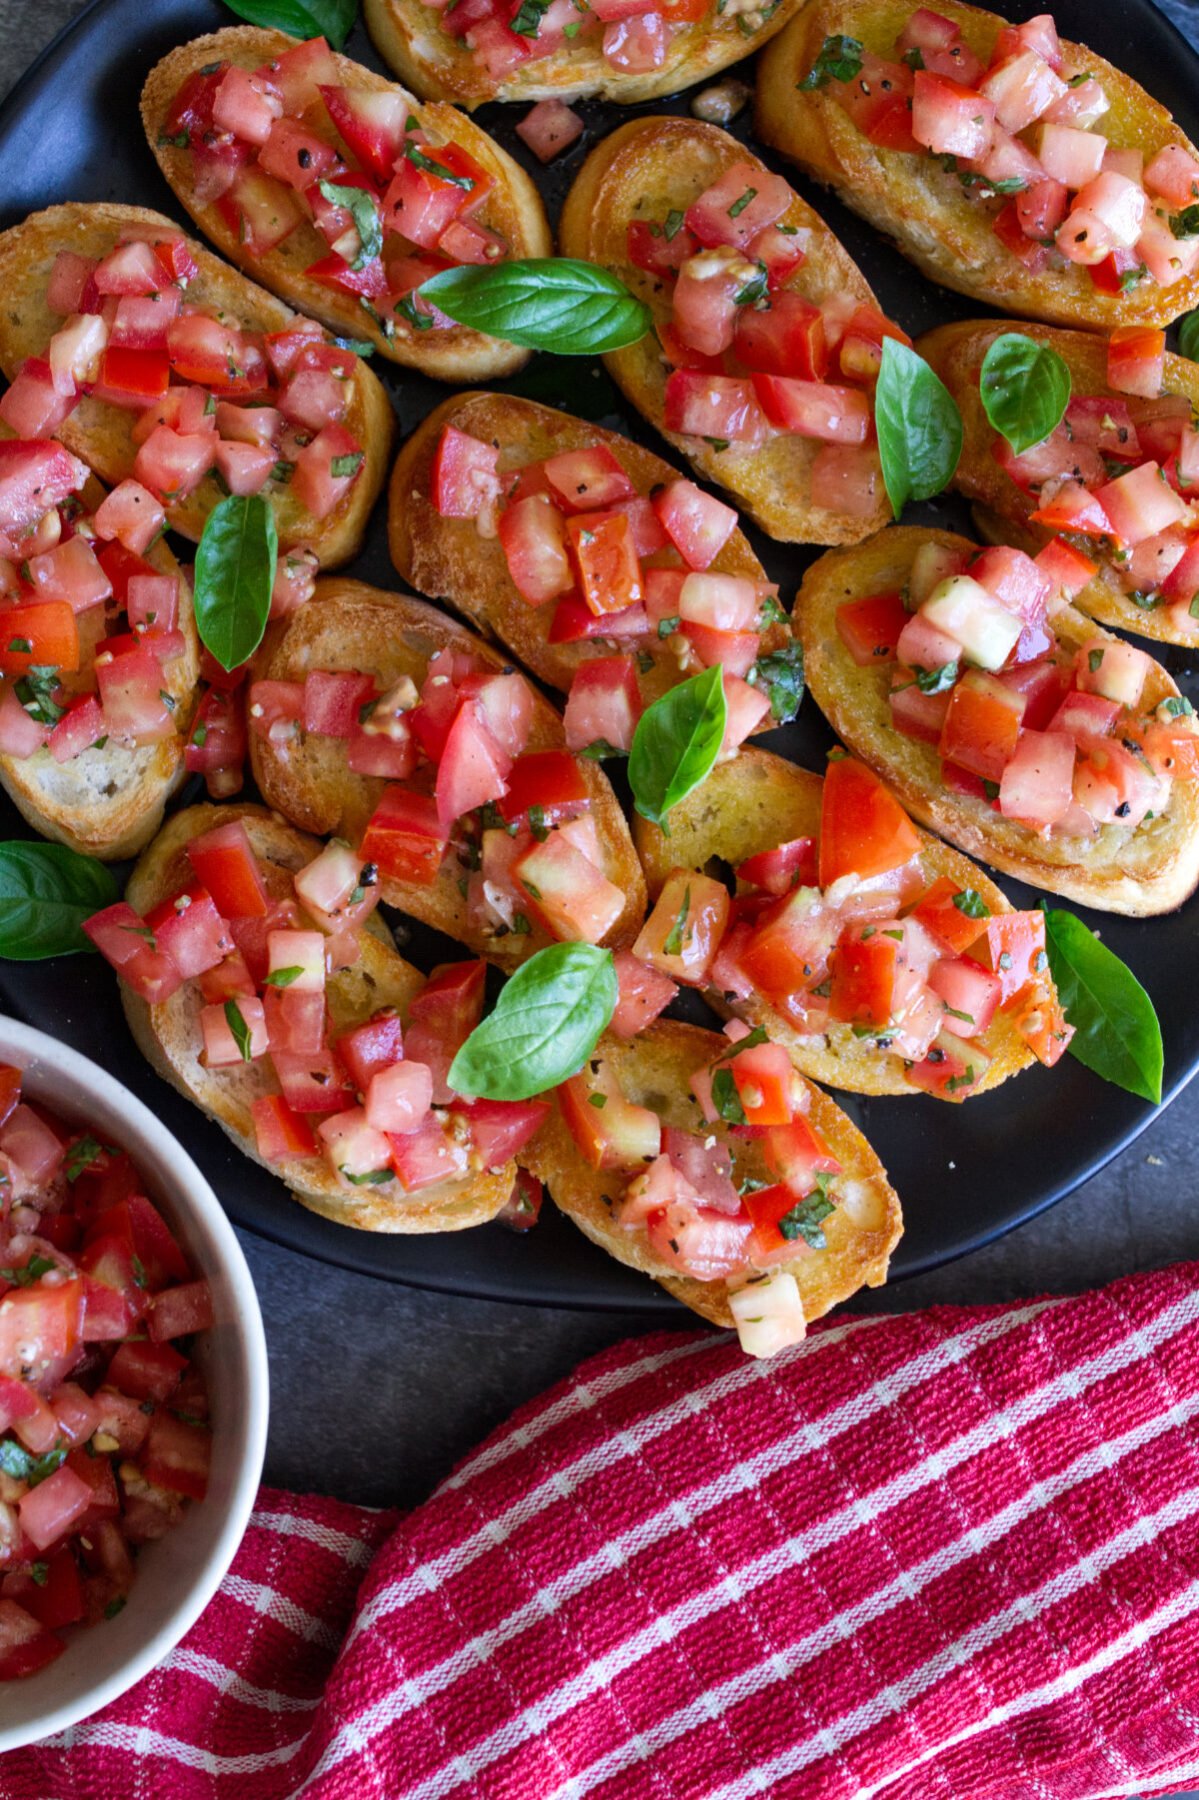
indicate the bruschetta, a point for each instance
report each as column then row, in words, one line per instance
column 302, row 1032
column 1127, row 440
column 1006, row 163
column 1004, row 719
column 767, row 338
column 339, row 192
column 149, row 357
column 885, row 961
column 566, row 49
column 376, row 718
column 764, row 1228
column 495, row 502
column 98, row 653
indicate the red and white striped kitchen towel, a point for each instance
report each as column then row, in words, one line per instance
column 933, row 1557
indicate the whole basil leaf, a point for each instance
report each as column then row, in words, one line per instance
column 1025, row 389
column 1188, row 336
column 919, row 427
column 551, row 303
column 1116, row 1032
column 546, row 1023
column 46, row 892
column 676, row 742
column 363, row 208
column 235, row 572
column 332, row 19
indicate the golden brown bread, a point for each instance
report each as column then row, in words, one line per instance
column 643, row 170
column 434, row 65
column 655, row 1070
column 168, row 1035
column 956, row 352
column 921, row 206
column 102, row 434
column 347, row 625
column 513, row 209
column 752, row 803
column 1149, row 870
column 449, row 558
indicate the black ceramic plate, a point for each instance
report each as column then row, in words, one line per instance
column 71, row 131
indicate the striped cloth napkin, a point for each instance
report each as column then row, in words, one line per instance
column 934, row 1557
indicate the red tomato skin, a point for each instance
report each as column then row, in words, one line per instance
column 870, row 628
column 863, row 829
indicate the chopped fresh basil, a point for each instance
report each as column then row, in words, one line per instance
column 806, row 1218
column 725, row 1097
column 366, row 213
column 971, row 902
column 840, row 59
column 281, row 978
column 242, row 1035
column 677, row 935
column 781, row 676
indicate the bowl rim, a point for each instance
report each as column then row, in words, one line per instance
column 190, row 1191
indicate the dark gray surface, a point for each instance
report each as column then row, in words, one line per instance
column 377, row 1389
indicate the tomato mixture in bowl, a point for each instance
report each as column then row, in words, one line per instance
column 104, row 1434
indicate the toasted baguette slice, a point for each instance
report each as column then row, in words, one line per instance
column 102, row 434
column 752, row 803
column 1151, row 869
column 513, row 209
column 450, row 557
column 168, row 1034
column 435, row 65
column 655, row 1070
column 913, row 200
column 108, row 802
column 347, row 625
column 644, row 170
column 957, row 352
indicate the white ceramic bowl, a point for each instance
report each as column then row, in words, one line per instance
column 177, row 1575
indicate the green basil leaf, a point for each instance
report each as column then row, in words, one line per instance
column 332, row 19
column 840, row 59
column 1188, row 336
column 725, row 1097
column 553, row 303
column 46, row 892
column 1025, row 389
column 805, row 1219
column 1116, row 1032
column 781, row 674
column 545, row 1025
column 23, row 1465
column 235, row 572
column 363, row 208
column 242, row 1035
column 919, row 427
column 676, row 742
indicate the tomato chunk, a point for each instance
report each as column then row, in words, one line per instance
column 863, row 829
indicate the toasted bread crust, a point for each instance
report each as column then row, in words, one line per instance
column 754, row 802
column 513, row 209
column 1150, row 870
column 347, row 625
column 913, row 201
column 108, row 802
column 655, row 1070
column 448, row 557
column 641, row 171
column 168, row 1036
column 956, row 352
column 101, row 434
column 432, row 64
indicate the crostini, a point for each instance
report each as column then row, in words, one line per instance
column 885, row 961
column 1006, row 163
column 708, row 1162
column 1004, row 719
column 339, row 192
column 98, row 653
column 604, row 571
column 1127, row 440
column 767, row 338
column 625, row 50
column 376, row 717
column 151, row 358
column 302, row 1032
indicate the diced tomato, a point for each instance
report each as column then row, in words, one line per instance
column 786, row 338
column 171, row 465
column 697, row 524
column 716, row 407
column 733, row 651
column 605, row 557
column 429, row 189
column 636, row 46
column 742, row 201
column 1067, row 568
column 572, row 898
column 982, row 725
column 682, row 934
column 863, row 829
column 119, row 934
column 370, row 123
column 42, row 633
column 522, row 1209
column 533, row 537
column 604, row 704
column 878, row 100
column 500, row 1129
column 280, row 1134
column 32, row 406
column 177, row 1455
column 464, row 478
column 404, row 837
column 870, row 629
column 777, row 871
column 589, row 480
column 189, row 929
column 326, row 469
column 644, row 992
column 218, row 356
column 441, row 1018
column 652, row 249
column 1136, row 358
column 951, row 914
column 225, row 864
column 767, row 1085
column 474, row 768
column 1014, row 944
column 616, row 1135
column 1074, row 508
column 797, row 1153
column 39, row 1326
column 864, row 969
column 1037, row 784
column 177, row 1312
column 815, row 409
column 550, row 780
column 948, row 118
